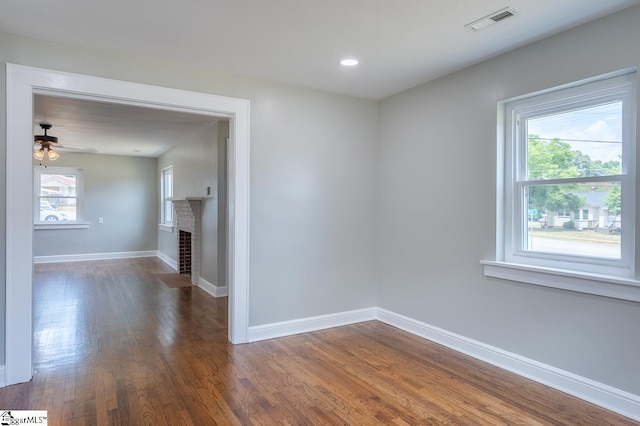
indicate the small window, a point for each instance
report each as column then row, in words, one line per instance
column 570, row 154
column 585, row 214
column 58, row 195
column 166, row 193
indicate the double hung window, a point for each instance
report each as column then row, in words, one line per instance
column 569, row 179
column 166, row 192
column 57, row 196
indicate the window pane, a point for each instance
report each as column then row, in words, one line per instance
column 168, row 212
column 579, row 143
column 57, row 209
column 169, row 185
column 57, row 185
column 166, row 195
column 554, row 227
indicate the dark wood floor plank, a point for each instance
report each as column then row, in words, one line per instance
column 115, row 346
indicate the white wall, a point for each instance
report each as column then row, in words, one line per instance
column 437, row 207
column 123, row 191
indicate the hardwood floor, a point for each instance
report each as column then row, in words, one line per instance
column 113, row 345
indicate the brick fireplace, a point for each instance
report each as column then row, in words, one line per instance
column 184, row 252
column 188, row 215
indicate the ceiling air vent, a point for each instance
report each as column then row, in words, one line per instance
column 491, row 19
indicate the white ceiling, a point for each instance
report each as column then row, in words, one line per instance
column 107, row 128
column 400, row 44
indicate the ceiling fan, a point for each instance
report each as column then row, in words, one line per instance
column 44, row 144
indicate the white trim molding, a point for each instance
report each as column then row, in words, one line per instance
column 61, row 225
column 3, row 376
column 608, row 397
column 582, row 282
column 165, row 228
column 94, row 256
column 22, row 83
column 305, row 325
column 212, row 289
column 166, row 259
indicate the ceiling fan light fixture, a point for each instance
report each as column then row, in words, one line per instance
column 46, row 142
column 39, row 154
column 45, row 137
column 53, row 155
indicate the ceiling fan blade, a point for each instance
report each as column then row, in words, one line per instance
column 39, row 144
column 80, row 149
column 67, row 148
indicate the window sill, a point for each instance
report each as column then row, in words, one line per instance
column 600, row 285
column 165, row 228
column 74, row 225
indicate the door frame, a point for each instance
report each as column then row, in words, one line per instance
column 22, row 83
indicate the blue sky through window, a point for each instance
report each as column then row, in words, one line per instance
column 595, row 131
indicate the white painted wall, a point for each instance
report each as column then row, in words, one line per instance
column 122, row 190
column 437, row 207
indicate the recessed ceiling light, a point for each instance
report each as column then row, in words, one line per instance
column 349, row 62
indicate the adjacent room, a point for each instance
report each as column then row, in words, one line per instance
column 118, row 171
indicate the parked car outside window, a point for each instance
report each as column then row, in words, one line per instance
column 51, row 215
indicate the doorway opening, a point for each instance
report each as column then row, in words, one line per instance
column 22, row 83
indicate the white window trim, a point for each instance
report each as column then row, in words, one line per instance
column 164, row 225
column 611, row 278
column 165, row 228
column 73, row 225
column 79, row 223
column 589, row 283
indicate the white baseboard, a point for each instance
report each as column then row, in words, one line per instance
column 3, row 376
column 94, row 256
column 608, row 397
column 166, row 259
column 304, row 325
column 212, row 289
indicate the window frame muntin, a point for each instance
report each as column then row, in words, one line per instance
column 621, row 87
